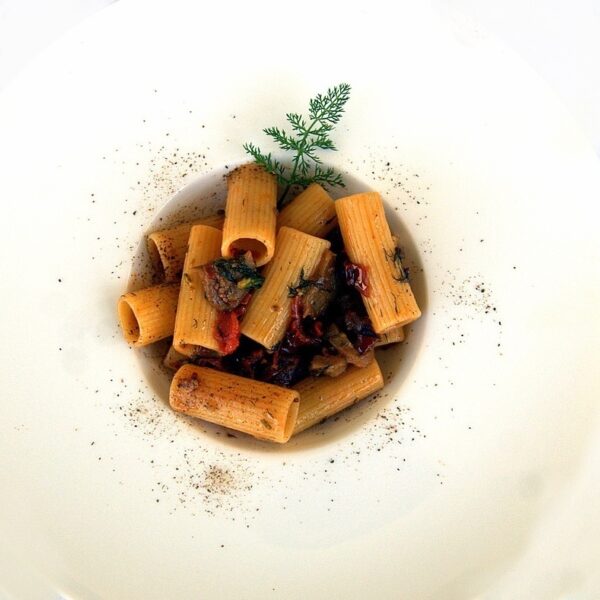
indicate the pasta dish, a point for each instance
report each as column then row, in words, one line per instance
column 274, row 315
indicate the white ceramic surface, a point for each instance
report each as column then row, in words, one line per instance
column 474, row 475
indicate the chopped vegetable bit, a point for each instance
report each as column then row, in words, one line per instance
column 250, row 283
column 227, row 329
column 226, row 281
column 331, row 365
column 328, row 324
column 339, row 340
column 356, row 277
column 296, row 335
column 227, row 332
column 203, row 361
column 286, row 369
column 200, row 352
column 318, row 297
column 251, row 362
column 353, row 320
column 304, row 285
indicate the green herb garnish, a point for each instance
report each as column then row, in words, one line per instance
column 240, row 272
column 251, row 283
column 304, row 284
column 309, row 136
column 397, row 256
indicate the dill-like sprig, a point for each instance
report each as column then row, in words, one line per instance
column 397, row 256
column 304, row 284
column 307, row 138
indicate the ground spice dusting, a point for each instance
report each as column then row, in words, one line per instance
column 190, row 384
column 471, row 302
column 219, row 481
column 193, row 478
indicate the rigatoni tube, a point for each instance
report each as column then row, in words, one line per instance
column 368, row 242
column 167, row 247
column 250, row 214
column 148, row 315
column 312, row 211
column 196, row 316
column 269, row 310
column 263, row 410
column 321, row 397
column 390, row 337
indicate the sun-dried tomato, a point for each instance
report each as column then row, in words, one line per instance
column 364, row 343
column 296, row 333
column 227, row 329
column 227, row 332
column 317, row 329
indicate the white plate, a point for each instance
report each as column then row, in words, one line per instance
column 472, row 475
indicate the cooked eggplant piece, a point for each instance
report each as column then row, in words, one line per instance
column 227, row 281
column 339, row 340
column 332, row 365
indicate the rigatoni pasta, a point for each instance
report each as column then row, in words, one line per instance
column 312, row 212
column 148, row 315
column 268, row 314
column 260, row 409
column 250, row 214
column 196, row 317
column 368, row 242
column 167, row 247
column 393, row 336
column 272, row 351
column 322, row 397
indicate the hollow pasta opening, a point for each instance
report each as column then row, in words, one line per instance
column 129, row 322
column 260, row 252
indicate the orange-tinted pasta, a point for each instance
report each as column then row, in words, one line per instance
column 250, row 213
column 269, row 310
column 167, row 247
column 312, row 212
column 321, row 397
column 265, row 411
column 148, row 315
column 368, row 242
column 196, row 317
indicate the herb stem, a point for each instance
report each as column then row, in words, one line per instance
column 302, row 148
column 280, row 202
